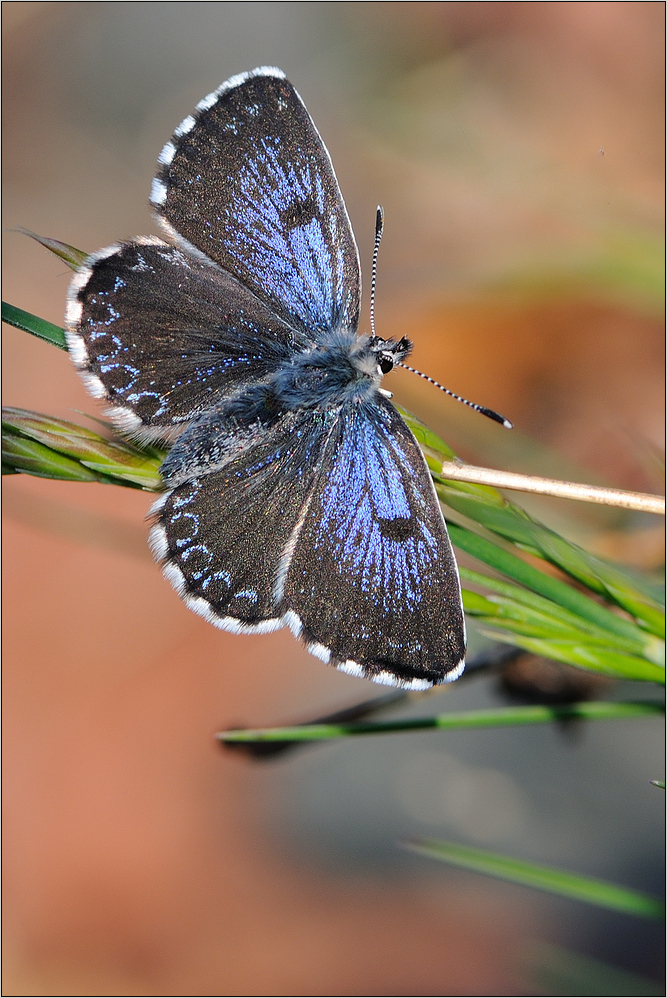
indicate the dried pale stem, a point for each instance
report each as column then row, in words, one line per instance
column 552, row 487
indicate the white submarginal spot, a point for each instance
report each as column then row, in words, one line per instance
column 94, row 385
column 293, row 621
column 158, row 505
column 240, row 627
column 175, row 576
column 456, row 672
column 76, row 345
column 105, row 253
column 206, row 102
column 124, row 419
column 167, row 154
column 202, row 607
column 389, row 679
column 420, row 684
column 351, row 668
column 319, row 651
column 158, row 194
column 80, row 280
column 157, row 539
column 385, row 678
column 241, row 78
column 267, row 71
column 73, row 312
column 185, row 126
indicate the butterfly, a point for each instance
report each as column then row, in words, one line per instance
column 295, row 494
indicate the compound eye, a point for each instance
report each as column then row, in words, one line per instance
column 385, row 363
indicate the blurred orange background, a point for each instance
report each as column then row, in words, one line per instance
column 517, row 149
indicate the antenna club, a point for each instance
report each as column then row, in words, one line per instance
column 491, row 413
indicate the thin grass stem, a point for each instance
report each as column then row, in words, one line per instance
column 552, row 487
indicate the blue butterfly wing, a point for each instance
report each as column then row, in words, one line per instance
column 221, row 532
column 162, row 336
column 372, row 577
column 247, row 181
column 325, row 521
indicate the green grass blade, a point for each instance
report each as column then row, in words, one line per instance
column 490, row 510
column 428, row 440
column 541, row 626
column 55, row 448
column 584, row 655
column 545, row 878
column 30, row 323
column 502, row 717
column 522, row 604
column 552, row 589
column 20, row 455
column 72, row 256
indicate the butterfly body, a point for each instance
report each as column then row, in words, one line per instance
column 295, row 494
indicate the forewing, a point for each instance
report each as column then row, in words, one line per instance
column 373, row 577
column 163, row 336
column 248, row 182
column 222, row 536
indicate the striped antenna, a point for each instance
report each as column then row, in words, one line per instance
column 379, row 228
column 473, row 405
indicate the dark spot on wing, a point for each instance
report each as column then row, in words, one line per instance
column 299, row 213
column 398, row 529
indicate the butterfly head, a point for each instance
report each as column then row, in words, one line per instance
column 385, row 354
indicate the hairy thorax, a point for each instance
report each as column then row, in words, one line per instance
column 342, row 368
